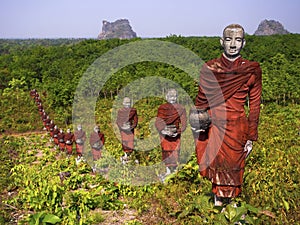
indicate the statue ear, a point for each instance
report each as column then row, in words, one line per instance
column 222, row 42
column 244, row 43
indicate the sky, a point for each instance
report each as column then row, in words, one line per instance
column 148, row 18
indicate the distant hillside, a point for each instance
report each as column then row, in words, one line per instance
column 119, row 29
column 270, row 27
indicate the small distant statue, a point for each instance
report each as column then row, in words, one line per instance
column 127, row 120
column 40, row 109
column 47, row 123
column 44, row 117
column 69, row 138
column 96, row 142
column 170, row 122
column 80, row 138
column 55, row 136
column 51, row 130
column 33, row 93
column 225, row 140
column 61, row 140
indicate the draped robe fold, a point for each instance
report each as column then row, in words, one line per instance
column 223, row 90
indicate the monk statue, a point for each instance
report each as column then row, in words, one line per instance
column 225, row 85
column 170, row 122
column 79, row 138
column 127, row 120
column 69, row 139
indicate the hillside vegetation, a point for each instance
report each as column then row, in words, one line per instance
column 33, row 193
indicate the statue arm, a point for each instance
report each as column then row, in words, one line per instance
column 135, row 121
column 183, row 120
column 254, row 105
column 102, row 139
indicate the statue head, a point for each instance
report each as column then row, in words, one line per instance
column 171, row 96
column 97, row 129
column 127, row 102
column 233, row 41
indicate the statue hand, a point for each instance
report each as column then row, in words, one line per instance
column 164, row 132
column 174, row 135
column 195, row 130
column 248, row 147
column 126, row 128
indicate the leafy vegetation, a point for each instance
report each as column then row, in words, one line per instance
column 32, row 192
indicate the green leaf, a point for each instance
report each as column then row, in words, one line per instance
column 239, row 212
column 230, row 213
column 250, row 219
column 286, row 205
column 50, row 218
column 252, row 208
column 35, row 219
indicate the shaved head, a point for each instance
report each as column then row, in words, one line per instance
column 233, row 27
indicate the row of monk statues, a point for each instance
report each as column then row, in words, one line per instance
column 223, row 132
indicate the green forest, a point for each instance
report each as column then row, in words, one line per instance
column 33, row 193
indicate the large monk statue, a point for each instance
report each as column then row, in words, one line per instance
column 224, row 87
column 127, row 120
column 170, row 123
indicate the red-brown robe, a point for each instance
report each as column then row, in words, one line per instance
column 61, row 141
column 127, row 115
column 223, row 89
column 37, row 99
column 51, row 129
column 44, row 117
column 33, row 93
column 69, row 137
column 79, row 138
column 47, row 123
column 171, row 114
column 40, row 109
column 96, row 141
column 55, row 136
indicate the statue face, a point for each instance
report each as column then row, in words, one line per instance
column 127, row 102
column 171, row 97
column 233, row 41
column 97, row 129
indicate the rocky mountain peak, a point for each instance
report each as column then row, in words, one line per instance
column 119, row 29
column 270, row 27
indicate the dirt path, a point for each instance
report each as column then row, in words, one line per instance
column 22, row 134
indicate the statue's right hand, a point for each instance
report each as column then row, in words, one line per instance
column 164, row 132
column 197, row 130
